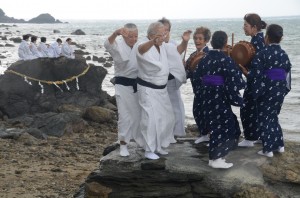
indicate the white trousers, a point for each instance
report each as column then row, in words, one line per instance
column 178, row 108
column 157, row 118
column 128, row 113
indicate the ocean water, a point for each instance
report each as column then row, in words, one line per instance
column 98, row 31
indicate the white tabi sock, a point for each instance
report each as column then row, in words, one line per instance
column 151, row 155
column 246, row 143
column 163, row 152
column 123, row 150
column 220, row 163
column 203, row 138
column 267, row 154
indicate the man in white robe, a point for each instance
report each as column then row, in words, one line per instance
column 24, row 50
column 43, row 47
column 157, row 117
column 55, row 49
column 33, row 48
column 176, row 77
column 123, row 52
column 67, row 50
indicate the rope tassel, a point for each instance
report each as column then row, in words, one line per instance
column 68, row 88
column 25, row 78
column 58, row 87
column 42, row 87
column 77, row 85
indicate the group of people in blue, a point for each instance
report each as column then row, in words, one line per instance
column 217, row 80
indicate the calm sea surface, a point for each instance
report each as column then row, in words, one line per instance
column 98, row 31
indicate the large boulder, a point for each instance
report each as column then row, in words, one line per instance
column 44, row 84
column 185, row 173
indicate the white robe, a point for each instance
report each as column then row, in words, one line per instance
column 24, row 51
column 67, row 50
column 43, row 48
column 54, row 50
column 177, row 70
column 157, row 117
column 34, row 50
column 125, row 65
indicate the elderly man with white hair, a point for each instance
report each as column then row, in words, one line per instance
column 157, row 117
column 124, row 55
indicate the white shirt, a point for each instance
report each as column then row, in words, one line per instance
column 54, row 50
column 124, row 58
column 67, row 50
column 152, row 65
column 43, row 48
column 24, row 51
column 36, row 53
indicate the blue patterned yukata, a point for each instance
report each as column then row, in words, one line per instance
column 249, row 111
column 217, row 81
column 196, row 107
column 270, row 77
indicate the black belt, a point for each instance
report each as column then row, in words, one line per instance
column 126, row 82
column 148, row 84
column 170, row 77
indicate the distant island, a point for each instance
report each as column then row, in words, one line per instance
column 42, row 18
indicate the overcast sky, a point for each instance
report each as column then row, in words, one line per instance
column 150, row 9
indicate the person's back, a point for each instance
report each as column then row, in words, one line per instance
column 55, row 49
column 67, row 50
column 24, row 50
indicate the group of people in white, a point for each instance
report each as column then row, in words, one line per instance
column 148, row 75
column 29, row 51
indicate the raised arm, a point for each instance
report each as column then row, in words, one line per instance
column 185, row 39
column 115, row 34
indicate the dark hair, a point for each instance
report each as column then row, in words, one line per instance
column 33, row 38
column 255, row 20
column 274, row 33
column 43, row 39
column 25, row 37
column 203, row 30
column 68, row 39
column 218, row 40
column 59, row 40
column 165, row 21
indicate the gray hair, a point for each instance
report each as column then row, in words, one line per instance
column 130, row 26
column 152, row 29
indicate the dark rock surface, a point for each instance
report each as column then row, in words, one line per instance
column 18, row 97
column 184, row 173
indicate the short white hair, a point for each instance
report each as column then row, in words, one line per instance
column 130, row 26
column 153, row 27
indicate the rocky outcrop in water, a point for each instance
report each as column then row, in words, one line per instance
column 42, row 18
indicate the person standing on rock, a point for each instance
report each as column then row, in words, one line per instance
column 176, row 77
column 24, row 49
column 55, row 49
column 157, row 116
column 67, row 49
column 270, row 78
column 124, row 55
column 217, row 81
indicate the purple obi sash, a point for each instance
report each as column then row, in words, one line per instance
column 213, row 80
column 276, row 74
